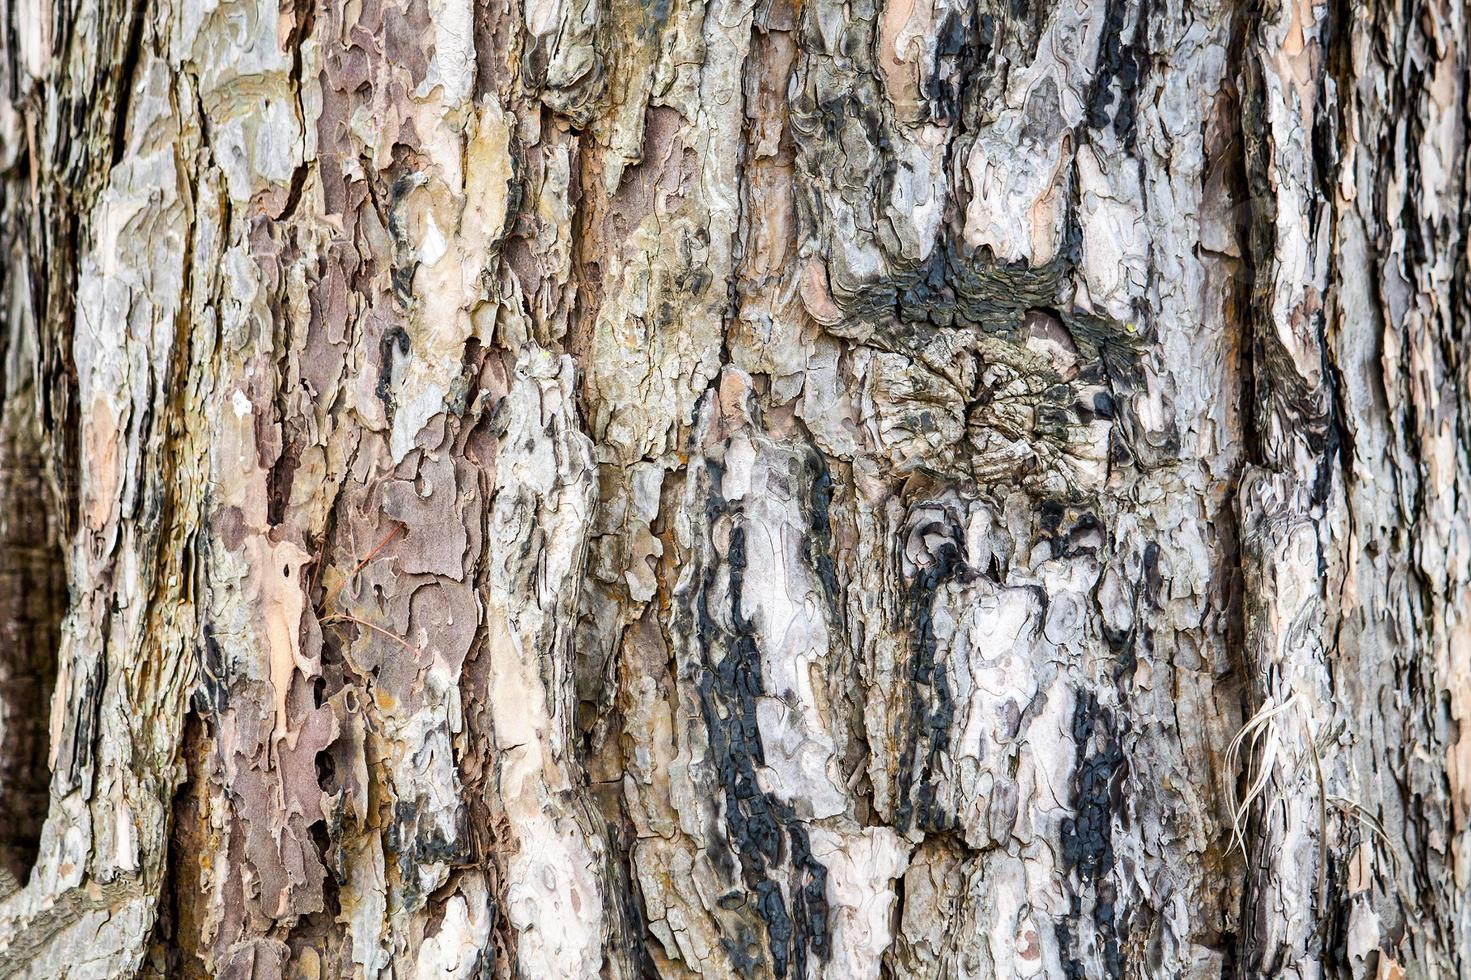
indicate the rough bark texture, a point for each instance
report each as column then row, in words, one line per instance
column 735, row 488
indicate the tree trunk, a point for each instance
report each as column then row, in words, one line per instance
column 571, row 488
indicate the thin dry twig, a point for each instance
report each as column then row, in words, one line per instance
column 361, row 565
column 345, row 618
column 1376, row 829
column 341, row 617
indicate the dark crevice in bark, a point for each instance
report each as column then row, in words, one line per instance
column 127, row 71
column 1243, row 184
column 821, row 561
column 321, row 930
column 1278, row 389
column 1338, row 448
column 9, row 55
column 53, row 279
column 1236, row 180
column 303, row 19
column 629, row 930
column 490, row 840
column 33, row 601
column 177, row 946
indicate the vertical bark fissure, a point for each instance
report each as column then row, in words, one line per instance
column 33, row 599
column 735, row 488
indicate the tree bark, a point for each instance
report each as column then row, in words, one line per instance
column 735, row 488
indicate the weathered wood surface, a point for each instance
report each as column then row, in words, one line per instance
column 567, row 488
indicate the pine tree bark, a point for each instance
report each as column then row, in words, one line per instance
column 734, row 488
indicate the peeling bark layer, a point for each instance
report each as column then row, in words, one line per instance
column 735, row 488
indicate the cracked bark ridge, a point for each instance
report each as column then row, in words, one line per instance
column 734, row 488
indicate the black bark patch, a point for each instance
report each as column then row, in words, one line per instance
column 932, row 708
column 818, row 545
column 415, row 842
column 764, row 831
column 1087, row 836
column 394, row 338
column 1120, row 63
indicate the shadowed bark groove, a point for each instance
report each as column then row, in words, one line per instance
column 735, row 489
column 33, row 601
